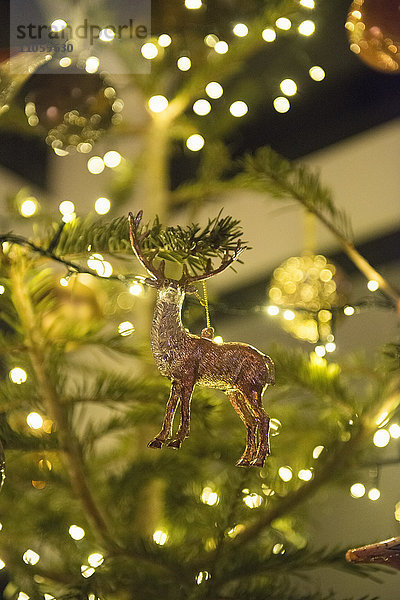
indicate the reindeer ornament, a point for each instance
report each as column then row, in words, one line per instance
column 238, row 369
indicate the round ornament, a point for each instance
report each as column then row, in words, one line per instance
column 74, row 110
column 374, row 33
column 302, row 292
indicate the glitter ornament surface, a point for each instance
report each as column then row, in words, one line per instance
column 238, row 369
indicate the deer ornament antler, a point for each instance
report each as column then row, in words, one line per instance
column 238, row 369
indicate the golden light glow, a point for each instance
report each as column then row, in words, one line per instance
column 195, row 142
column 349, row 310
column 2, row 564
column 160, row 537
column 394, row 431
column 307, row 3
column 330, row 347
column 288, row 87
column 381, row 438
column 65, row 61
column 281, row 104
column 289, row 315
column 241, row 30
column 184, row 63
column 278, row 549
column 283, row 23
column 285, row 473
column 372, row 285
column 30, row 557
column 357, row 490
column 34, row 420
column 320, row 350
column 158, row 103
column 268, row 34
column 58, row 25
column 306, row 28
column 374, row 494
column 149, row 50
column 202, row 576
column 218, row 339
column 76, row 532
column 164, row 40
column 272, row 310
column 102, row 206
column 87, row 571
column 136, row 289
column 126, row 328
column 210, row 40
column 23, row 596
column 317, row 73
column 214, row 90
column 66, row 208
column 221, row 47
column 201, row 107
column 193, row 4
column 95, row 165
column 2, row 290
column 253, row 500
column 317, row 451
column 305, row 474
column 29, row 207
column 17, row 375
column 208, row 496
column 92, row 64
column 238, row 108
column 112, row 159
column 107, row 35
column 96, row 559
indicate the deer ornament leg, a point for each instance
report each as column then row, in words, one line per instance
column 239, row 404
column 166, row 429
column 254, row 399
column 186, row 390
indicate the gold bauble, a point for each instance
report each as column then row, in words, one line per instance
column 374, row 33
column 305, row 290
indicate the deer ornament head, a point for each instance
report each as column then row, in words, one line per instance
column 238, row 369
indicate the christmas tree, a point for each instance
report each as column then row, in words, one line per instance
column 87, row 509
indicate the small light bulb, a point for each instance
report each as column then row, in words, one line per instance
column 281, row 104
column 349, row 310
column 64, row 282
column 285, row 473
column 184, row 63
column 164, row 40
column 65, row 61
column 66, row 207
column 136, row 289
column 374, row 494
column 372, row 285
column 201, row 107
column 317, row 452
column 305, row 474
column 102, row 206
column 149, row 50
column 126, row 328
column 87, row 571
column 307, row 3
column 394, row 431
column 317, row 73
column 320, row 350
column 283, row 23
column 288, row 87
column 357, row 490
column 34, row 420
column 107, row 34
column 76, row 532
column 214, row 90
column 238, row 108
column 30, row 557
column 17, row 375
column 210, row 40
column 112, row 159
column 92, row 64
column 381, row 438
column 193, row 4
column 95, row 165
column 241, row 30
column 2, row 564
column 195, row 142
column 306, row 28
column 58, row 25
column 2, row 290
column 253, row 500
column 208, row 496
column 289, row 315
column 272, row 310
column 330, row 347
column 28, row 207
column 221, row 47
column 157, row 103
column 218, row 339
column 268, row 34
column 160, row 537
column 95, row 559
